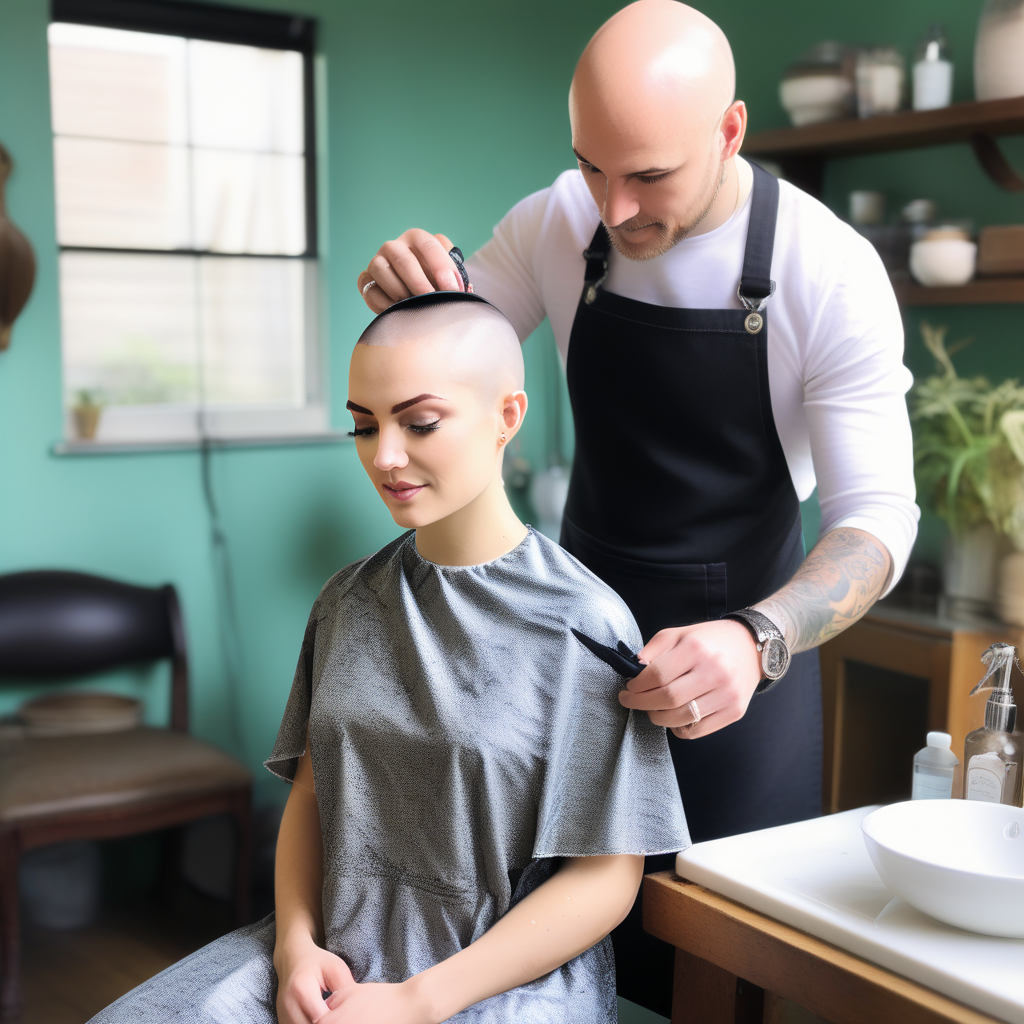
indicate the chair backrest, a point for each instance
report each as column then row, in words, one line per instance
column 58, row 624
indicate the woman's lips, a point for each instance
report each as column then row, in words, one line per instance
column 403, row 491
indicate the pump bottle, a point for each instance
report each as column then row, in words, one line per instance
column 992, row 754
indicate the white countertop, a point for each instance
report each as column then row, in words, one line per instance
column 816, row 876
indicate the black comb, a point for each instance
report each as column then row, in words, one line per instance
column 620, row 658
column 460, row 262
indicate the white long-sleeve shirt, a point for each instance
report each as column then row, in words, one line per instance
column 835, row 337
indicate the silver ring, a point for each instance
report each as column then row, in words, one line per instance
column 368, row 286
column 695, row 711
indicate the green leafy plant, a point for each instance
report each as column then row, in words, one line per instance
column 88, row 398
column 969, row 445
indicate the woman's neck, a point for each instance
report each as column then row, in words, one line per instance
column 480, row 532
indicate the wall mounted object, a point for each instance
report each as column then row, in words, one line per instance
column 17, row 261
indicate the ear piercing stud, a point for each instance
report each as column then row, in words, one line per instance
column 502, row 438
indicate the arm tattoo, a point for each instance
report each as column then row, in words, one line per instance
column 840, row 579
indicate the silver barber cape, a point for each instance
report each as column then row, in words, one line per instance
column 463, row 740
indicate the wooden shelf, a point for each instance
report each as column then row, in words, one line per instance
column 888, row 132
column 985, row 290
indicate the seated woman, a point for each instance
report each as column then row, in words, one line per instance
column 471, row 803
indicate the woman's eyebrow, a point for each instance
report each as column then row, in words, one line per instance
column 357, row 408
column 402, row 406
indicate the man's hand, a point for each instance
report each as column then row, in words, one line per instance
column 376, row 1003
column 716, row 664
column 415, row 263
column 305, row 971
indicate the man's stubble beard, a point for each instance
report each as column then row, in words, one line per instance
column 664, row 240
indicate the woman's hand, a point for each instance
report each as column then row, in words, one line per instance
column 304, row 972
column 374, row 1003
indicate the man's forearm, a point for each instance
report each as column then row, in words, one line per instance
column 841, row 578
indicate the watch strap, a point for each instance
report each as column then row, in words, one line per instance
column 762, row 629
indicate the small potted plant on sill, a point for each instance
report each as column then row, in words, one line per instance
column 86, row 414
column 969, row 462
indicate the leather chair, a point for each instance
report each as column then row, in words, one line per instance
column 56, row 789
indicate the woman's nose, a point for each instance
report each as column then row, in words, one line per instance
column 391, row 453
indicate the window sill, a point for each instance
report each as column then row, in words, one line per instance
column 150, row 447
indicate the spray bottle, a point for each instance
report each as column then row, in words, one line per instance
column 992, row 754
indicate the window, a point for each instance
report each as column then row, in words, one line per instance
column 185, row 196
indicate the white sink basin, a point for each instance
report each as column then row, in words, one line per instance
column 960, row 861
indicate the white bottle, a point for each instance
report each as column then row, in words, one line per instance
column 933, row 72
column 933, row 769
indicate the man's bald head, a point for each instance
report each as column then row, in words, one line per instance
column 654, row 124
column 472, row 339
column 658, row 57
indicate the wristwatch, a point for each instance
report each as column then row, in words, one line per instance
column 775, row 656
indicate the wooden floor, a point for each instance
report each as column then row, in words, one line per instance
column 71, row 975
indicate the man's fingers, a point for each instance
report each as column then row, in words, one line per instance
column 392, row 277
column 708, row 724
column 668, row 657
column 432, row 253
column 662, row 641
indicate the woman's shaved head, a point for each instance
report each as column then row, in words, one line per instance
column 471, row 337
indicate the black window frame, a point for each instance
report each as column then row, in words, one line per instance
column 219, row 24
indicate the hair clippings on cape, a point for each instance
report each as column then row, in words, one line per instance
column 460, row 262
column 620, row 657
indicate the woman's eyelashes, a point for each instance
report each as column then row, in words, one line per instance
column 416, row 428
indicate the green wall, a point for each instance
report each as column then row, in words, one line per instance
column 434, row 115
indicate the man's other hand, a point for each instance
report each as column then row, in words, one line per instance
column 716, row 664
column 415, row 263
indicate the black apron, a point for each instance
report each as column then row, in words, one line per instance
column 681, row 500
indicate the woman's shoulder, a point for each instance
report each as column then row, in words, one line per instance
column 585, row 602
column 360, row 572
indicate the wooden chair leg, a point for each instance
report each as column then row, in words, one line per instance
column 170, row 865
column 242, row 814
column 703, row 993
column 10, row 928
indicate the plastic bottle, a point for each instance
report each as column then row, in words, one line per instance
column 933, row 72
column 992, row 754
column 934, row 766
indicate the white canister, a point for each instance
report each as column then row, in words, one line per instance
column 933, row 84
column 999, row 51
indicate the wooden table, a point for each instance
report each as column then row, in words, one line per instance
column 735, row 966
column 939, row 661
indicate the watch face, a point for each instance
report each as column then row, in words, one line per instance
column 775, row 658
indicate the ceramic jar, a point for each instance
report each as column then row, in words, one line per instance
column 969, row 571
column 944, row 257
column 17, row 262
column 819, row 87
column 999, row 51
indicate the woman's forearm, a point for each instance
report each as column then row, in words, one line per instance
column 298, row 869
column 574, row 909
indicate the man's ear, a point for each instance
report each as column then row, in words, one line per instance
column 513, row 409
column 733, row 129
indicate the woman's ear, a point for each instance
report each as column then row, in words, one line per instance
column 513, row 409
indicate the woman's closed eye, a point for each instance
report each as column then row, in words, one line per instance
column 416, row 428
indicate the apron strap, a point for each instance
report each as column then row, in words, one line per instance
column 596, row 269
column 756, row 285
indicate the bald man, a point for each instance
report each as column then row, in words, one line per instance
column 729, row 344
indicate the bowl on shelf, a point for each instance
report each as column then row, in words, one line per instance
column 819, row 87
column 944, row 257
column 959, row 861
column 813, row 98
